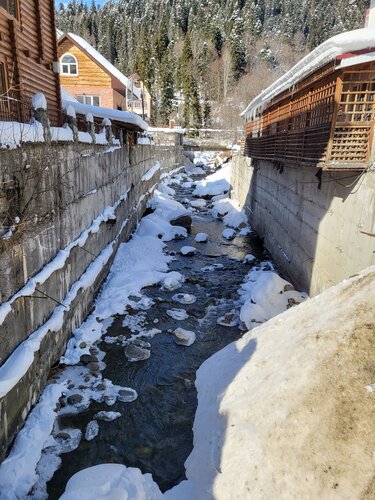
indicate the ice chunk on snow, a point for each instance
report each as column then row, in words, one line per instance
column 178, row 314
column 183, row 337
column 110, row 482
column 201, row 237
column 150, row 173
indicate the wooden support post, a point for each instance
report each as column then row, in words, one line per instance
column 334, row 116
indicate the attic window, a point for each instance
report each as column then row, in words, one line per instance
column 69, row 64
column 11, row 6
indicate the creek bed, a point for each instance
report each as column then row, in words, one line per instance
column 154, row 432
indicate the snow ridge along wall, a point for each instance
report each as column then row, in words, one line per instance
column 69, row 207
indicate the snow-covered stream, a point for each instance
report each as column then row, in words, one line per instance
column 171, row 301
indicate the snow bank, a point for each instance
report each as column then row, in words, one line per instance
column 18, row 470
column 139, row 263
column 215, row 184
column 111, row 481
column 264, row 295
column 328, row 51
column 283, row 412
column 230, row 211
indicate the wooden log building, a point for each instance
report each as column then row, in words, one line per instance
column 322, row 112
column 28, row 59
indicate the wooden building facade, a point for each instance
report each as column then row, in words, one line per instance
column 92, row 79
column 28, row 59
column 325, row 120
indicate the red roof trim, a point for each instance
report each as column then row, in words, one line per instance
column 355, row 53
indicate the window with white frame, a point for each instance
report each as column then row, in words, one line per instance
column 92, row 100
column 69, row 65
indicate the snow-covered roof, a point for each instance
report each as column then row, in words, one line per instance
column 326, row 52
column 104, row 63
column 112, row 114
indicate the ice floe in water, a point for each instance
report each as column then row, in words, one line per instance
column 177, row 314
column 184, row 337
column 107, row 416
column 184, row 298
column 92, row 430
column 135, row 353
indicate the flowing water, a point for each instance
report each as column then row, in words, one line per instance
column 154, row 432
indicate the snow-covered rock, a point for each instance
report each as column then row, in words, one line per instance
column 264, row 295
column 198, row 203
column 111, row 482
column 188, row 251
column 201, row 237
column 184, row 337
column 215, row 184
column 229, row 234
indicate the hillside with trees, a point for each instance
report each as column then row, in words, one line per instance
column 204, row 60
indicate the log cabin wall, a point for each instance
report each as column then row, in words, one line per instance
column 92, row 79
column 326, row 120
column 28, row 49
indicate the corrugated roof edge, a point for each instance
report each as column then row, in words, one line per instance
column 328, row 51
column 113, row 114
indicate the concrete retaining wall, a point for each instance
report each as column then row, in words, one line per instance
column 57, row 192
column 318, row 237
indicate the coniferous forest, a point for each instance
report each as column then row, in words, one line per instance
column 215, row 54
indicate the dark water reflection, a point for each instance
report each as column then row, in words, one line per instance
column 154, row 432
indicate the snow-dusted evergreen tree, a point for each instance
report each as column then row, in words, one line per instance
column 232, row 41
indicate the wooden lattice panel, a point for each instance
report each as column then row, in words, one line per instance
column 351, row 143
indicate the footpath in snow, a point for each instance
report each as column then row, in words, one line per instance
column 172, row 311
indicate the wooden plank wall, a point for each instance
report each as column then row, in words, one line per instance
column 90, row 74
column 28, row 48
column 326, row 120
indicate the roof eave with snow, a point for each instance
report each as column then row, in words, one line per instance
column 350, row 41
column 128, row 120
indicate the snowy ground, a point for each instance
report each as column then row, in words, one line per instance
column 141, row 262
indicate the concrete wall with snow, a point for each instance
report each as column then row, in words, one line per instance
column 317, row 236
column 68, row 208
